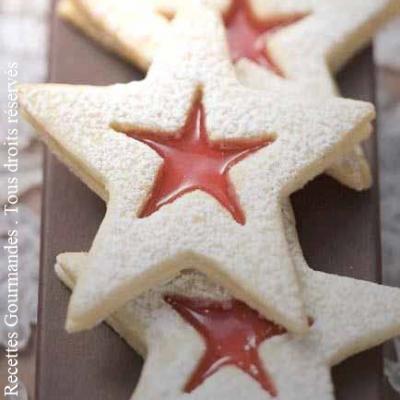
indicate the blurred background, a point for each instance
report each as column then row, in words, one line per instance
column 24, row 28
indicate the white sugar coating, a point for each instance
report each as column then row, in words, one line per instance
column 307, row 52
column 148, row 323
column 348, row 317
column 82, row 122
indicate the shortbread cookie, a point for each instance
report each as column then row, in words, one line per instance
column 179, row 329
column 301, row 40
column 259, row 147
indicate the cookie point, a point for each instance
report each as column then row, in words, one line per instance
column 363, row 184
column 71, row 326
column 76, row 321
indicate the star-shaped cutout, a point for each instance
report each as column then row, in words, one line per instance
column 192, row 163
column 348, row 316
column 247, row 34
column 307, row 52
column 232, row 332
column 83, row 126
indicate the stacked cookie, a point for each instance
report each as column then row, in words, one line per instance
column 196, row 163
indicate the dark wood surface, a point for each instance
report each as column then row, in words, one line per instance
column 339, row 232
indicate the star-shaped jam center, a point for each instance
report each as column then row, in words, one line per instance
column 247, row 34
column 191, row 163
column 232, row 332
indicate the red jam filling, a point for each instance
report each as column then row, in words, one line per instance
column 246, row 34
column 191, row 163
column 232, row 333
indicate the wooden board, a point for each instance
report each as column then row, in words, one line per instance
column 339, row 232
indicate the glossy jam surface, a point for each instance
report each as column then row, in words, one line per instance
column 247, row 34
column 232, row 333
column 191, row 162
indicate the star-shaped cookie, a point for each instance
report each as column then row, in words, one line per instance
column 200, row 344
column 302, row 40
column 104, row 135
